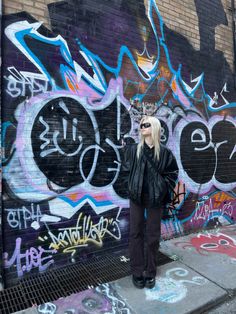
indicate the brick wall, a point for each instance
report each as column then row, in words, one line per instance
column 180, row 16
column 38, row 9
column 67, row 89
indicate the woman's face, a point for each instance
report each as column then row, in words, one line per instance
column 145, row 128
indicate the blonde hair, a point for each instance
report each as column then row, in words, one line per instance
column 156, row 135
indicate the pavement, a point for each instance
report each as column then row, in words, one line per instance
column 228, row 307
column 201, row 278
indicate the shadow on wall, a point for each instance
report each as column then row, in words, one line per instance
column 118, row 19
column 207, row 25
column 208, row 60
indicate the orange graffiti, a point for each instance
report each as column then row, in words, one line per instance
column 221, row 197
column 174, row 86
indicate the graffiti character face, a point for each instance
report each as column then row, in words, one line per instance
column 86, row 302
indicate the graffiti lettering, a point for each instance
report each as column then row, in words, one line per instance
column 85, row 232
column 211, row 146
column 32, row 258
column 21, row 83
column 22, row 217
column 207, row 210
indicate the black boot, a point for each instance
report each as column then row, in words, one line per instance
column 138, row 282
column 150, row 282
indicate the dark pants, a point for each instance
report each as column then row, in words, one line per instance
column 136, row 241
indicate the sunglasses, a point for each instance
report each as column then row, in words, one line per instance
column 145, row 125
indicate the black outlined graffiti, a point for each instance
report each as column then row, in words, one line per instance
column 212, row 148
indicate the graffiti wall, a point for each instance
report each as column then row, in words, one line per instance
column 70, row 96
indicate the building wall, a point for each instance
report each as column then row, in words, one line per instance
column 37, row 9
column 78, row 84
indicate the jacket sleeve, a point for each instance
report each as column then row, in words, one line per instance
column 121, row 184
column 170, row 175
column 125, row 159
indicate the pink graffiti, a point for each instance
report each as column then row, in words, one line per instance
column 217, row 243
column 32, row 258
column 210, row 208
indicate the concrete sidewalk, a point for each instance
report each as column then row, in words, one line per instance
column 201, row 275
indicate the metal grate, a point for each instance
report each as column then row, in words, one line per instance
column 54, row 284
column 40, row 289
column 12, row 300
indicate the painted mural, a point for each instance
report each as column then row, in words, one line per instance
column 71, row 97
column 103, row 299
column 217, row 241
column 171, row 289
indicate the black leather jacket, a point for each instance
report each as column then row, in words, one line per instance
column 164, row 178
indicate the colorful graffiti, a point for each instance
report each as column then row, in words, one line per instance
column 212, row 243
column 170, row 288
column 213, row 207
column 103, row 299
column 70, row 100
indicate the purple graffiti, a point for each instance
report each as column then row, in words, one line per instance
column 32, row 258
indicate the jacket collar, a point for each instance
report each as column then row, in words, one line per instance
column 147, row 147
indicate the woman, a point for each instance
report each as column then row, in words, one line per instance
column 152, row 177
